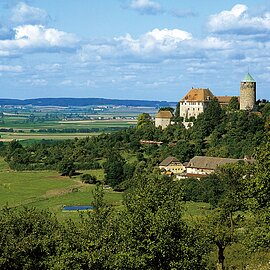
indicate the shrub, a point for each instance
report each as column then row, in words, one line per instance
column 89, row 179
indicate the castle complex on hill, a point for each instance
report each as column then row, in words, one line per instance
column 197, row 100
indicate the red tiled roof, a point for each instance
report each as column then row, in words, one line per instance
column 198, row 94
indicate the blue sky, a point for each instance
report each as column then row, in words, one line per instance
column 132, row 49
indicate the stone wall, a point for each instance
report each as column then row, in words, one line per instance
column 247, row 95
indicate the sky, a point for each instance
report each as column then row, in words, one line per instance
column 132, row 49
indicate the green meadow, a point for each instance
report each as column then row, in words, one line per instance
column 48, row 190
column 22, row 128
column 9, row 136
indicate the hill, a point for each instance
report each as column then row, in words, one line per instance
column 66, row 102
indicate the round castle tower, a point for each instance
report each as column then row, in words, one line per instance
column 247, row 93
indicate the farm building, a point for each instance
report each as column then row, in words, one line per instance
column 201, row 166
column 171, row 164
column 163, row 119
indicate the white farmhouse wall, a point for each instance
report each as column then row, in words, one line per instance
column 191, row 108
column 198, row 171
column 162, row 122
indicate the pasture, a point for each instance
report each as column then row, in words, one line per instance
column 48, row 190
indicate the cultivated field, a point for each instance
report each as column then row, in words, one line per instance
column 7, row 137
column 22, row 129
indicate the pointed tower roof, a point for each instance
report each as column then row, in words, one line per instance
column 248, row 78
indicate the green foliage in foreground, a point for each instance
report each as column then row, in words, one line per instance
column 151, row 230
column 148, row 234
column 28, row 239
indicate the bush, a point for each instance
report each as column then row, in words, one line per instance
column 89, row 179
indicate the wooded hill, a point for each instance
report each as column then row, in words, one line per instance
column 67, row 102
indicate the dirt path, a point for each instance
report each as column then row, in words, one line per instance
column 61, row 191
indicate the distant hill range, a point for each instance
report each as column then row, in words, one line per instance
column 67, row 102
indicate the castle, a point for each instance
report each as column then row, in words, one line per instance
column 247, row 93
column 197, row 100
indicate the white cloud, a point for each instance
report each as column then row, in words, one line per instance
column 25, row 14
column 66, row 82
column 212, row 43
column 179, row 13
column 5, row 54
column 9, row 68
column 37, row 37
column 164, row 40
column 146, row 6
column 238, row 21
column 36, row 82
column 49, row 67
column 152, row 45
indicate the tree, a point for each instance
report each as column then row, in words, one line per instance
column 234, row 104
column 152, row 234
column 144, row 119
column 232, row 177
column 88, row 244
column 208, row 189
column 265, row 110
column 216, row 227
column 88, row 178
column 67, row 168
column 212, row 115
column 258, row 193
column 177, row 110
column 167, row 109
column 114, row 169
column 177, row 118
column 28, row 239
column 259, row 185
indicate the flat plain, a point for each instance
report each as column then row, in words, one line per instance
column 55, row 124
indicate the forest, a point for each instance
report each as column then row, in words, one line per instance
column 150, row 231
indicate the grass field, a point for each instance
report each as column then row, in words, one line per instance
column 7, row 137
column 48, row 190
column 22, row 129
column 26, row 126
